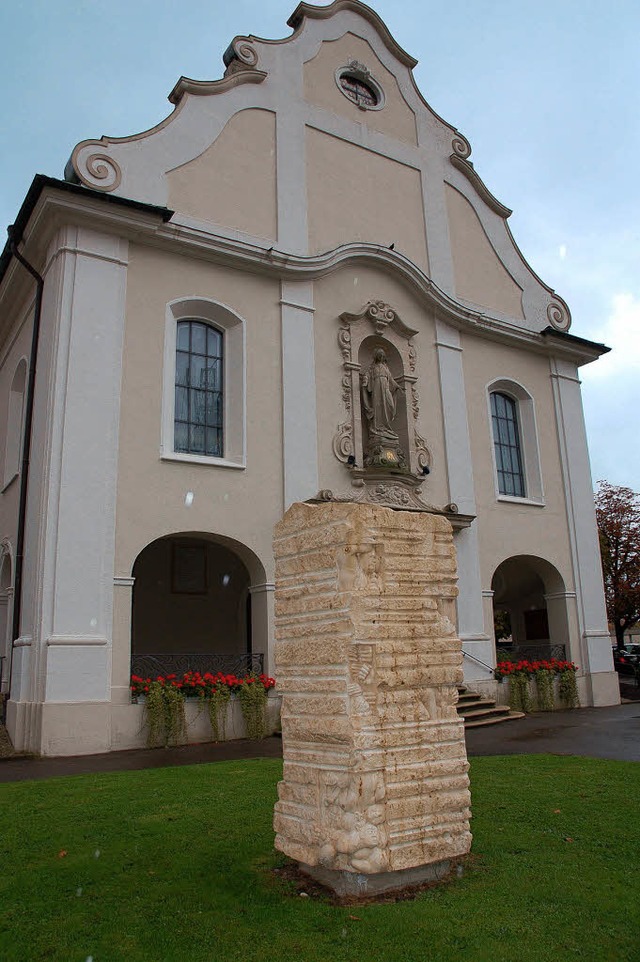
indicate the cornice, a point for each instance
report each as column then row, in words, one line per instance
column 205, row 88
column 467, row 168
column 152, row 226
column 312, row 12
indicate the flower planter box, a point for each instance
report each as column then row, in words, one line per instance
column 129, row 729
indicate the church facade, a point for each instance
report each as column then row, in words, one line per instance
column 295, row 287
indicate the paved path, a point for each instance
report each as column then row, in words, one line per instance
column 595, row 732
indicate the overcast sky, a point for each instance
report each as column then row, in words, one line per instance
column 547, row 91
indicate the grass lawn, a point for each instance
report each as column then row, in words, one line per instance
column 176, row 864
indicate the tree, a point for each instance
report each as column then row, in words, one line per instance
column 618, row 517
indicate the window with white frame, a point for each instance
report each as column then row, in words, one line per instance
column 506, row 443
column 204, row 383
column 198, row 417
column 515, row 442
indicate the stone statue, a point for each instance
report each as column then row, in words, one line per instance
column 379, row 390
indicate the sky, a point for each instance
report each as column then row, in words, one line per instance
column 547, row 92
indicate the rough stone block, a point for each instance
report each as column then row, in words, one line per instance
column 375, row 791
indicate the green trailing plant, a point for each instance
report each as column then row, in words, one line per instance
column 253, row 703
column 519, row 691
column 165, row 715
column 175, row 723
column 217, row 703
column 569, row 689
column 544, row 689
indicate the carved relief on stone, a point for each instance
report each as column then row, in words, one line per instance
column 353, row 819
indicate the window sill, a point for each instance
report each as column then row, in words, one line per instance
column 202, row 459
column 508, row 499
column 9, row 482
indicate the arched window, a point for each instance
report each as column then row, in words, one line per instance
column 506, row 440
column 199, row 389
column 204, row 384
column 15, row 417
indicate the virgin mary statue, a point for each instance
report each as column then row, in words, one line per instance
column 379, row 399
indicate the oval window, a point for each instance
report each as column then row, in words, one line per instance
column 358, row 91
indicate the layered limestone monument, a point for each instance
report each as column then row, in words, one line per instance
column 375, row 794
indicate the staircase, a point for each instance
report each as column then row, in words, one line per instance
column 478, row 710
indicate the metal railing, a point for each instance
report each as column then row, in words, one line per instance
column 466, row 654
column 167, row 663
column 531, row 652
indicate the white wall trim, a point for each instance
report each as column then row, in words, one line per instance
column 73, row 640
column 299, row 417
column 258, row 589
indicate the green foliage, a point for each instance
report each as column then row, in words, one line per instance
column 165, row 716
column 544, row 689
column 253, row 702
column 569, row 689
column 501, row 623
column 519, row 696
column 217, row 703
column 551, row 877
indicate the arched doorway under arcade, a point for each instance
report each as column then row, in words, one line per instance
column 6, row 614
column 197, row 605
column 530, row 609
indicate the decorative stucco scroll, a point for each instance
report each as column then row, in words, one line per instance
column 94, row 169
column 559, row 316
column 239, row 55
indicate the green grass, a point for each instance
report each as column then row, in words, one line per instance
column 175, row 864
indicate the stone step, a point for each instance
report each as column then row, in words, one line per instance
column 493, row 720
column 482, row 706
column 478, row 710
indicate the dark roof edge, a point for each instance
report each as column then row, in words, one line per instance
column 578, row 341
column 38, row 184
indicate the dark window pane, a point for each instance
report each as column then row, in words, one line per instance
column 198, row 371
column 214, row 375
column 198, row 338
column 214, row 447
column 196, row 406
column 181, row 442
column 182, row 337
column 182, row 404
column 196, row 440
column 213, row 419
column 214, row 342
column 182, row 368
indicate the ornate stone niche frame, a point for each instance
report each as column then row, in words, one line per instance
column 380, row 319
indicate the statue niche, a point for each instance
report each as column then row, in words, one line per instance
column 383, row 400
column 378, row 436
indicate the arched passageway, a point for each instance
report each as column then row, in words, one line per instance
column 530, row 608
column 192, row 607
column 6, row 611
